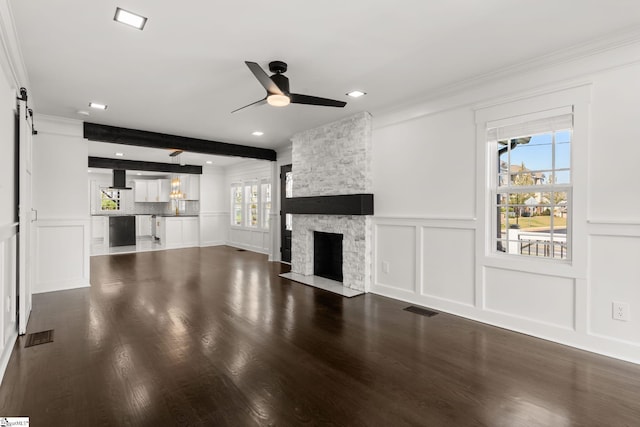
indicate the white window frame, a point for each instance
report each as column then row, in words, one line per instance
column 116, row 198
column 547, row 126
column 262, row 222
column 576, row 97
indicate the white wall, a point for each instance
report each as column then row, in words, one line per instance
column 430, row 238
column 61, row 197
column 257, row 240
column 214, row 207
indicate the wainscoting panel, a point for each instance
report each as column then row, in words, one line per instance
column 448, row 264
column 430, row 261
column 614, row 261
column 395, row 256
column 542, row 299
column 214, row 228
column 8, row 284
column 62, row 255
column 252, row 240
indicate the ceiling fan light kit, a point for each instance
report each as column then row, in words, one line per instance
column 276, row 100
column 277, row 87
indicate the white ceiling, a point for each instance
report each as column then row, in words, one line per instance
column 185, row 72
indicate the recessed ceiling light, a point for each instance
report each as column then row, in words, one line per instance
column 209, row 162
column 130, row 18
column 119, row 154
column 139, row 173
column 257, row 133
column 356, row 93
column 97, row 106
column 89, row 170
column 83, row 113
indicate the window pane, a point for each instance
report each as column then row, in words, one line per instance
column 563, row 149
column 265, row 197
column 109, row 199
column 267, row 213
column 531, row 221
column 288, row 222
column 534, row 155
column 562, row 177
column 288, row 179
column 236, row 200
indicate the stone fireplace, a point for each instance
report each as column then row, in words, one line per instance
column 334, row 160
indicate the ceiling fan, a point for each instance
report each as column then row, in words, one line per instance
column 277, row 87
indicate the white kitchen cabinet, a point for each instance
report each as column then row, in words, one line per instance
column 143, row 225
column 190, row 186
column 152, row 190
column 179, row 232
column 140, row 190
column 190, row 231
column 164, row 189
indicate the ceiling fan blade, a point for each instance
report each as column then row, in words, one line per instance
column 264, row 78
column 260, row 102
column 296, row 98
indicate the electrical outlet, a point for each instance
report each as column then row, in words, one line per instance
column 620, row 311
column 385, row 267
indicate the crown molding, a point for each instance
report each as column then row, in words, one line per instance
column 460, row 94
column 11, row 58
column 55, row 125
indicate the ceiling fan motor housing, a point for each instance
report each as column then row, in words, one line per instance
column 278, row 67
column 282, row 82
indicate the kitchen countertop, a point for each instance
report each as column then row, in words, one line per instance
column 161, row 215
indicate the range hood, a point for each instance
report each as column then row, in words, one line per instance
column 119, row 178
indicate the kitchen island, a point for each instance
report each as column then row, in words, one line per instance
column 178, row 231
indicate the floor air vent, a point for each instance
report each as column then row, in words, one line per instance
column 38, row 338
column 421, row 311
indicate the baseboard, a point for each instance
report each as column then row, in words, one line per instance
column 248, row 248
column 604, row 346
column 62, row 285
column 6, row 354
column 212, row 243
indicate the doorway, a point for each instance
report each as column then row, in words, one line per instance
column 286, row 192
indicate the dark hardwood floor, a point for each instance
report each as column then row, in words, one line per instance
column 213, row 337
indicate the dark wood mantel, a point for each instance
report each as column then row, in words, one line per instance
column 348, row 204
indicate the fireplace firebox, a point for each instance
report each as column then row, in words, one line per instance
column 327, row 255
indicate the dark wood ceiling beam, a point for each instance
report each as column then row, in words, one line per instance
column 136, row 165
column 141, row 138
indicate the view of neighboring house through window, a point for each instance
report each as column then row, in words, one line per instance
column 532, row 187
column 109, row 199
